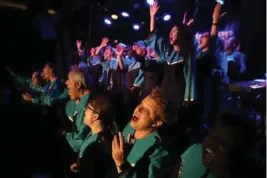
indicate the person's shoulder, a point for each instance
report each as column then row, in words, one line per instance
column 193, row 150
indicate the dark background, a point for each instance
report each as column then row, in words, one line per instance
column 30, row 37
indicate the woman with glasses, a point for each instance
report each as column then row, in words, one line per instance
column 95, row 158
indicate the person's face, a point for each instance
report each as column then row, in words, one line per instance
column 141, row 51
column 215, row 152
column 35, row 78
column 173, row 36
column 119, row 48
column 92, row 51
column 203, row 42
column 107, row 53
column 46, row 72
column 90, row 115
column 144, row 116
column 228, row 44
column 134, row 47
column 73, row 87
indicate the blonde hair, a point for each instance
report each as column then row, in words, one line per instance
column 161, row 103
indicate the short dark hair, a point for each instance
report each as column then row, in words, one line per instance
column 104, row 108
column 52, row 65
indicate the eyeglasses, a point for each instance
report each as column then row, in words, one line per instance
column 90, row 108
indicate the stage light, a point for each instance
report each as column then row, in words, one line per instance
column 107, row 21
column 166, row 17
column 150, row 2
column 136, row 27
column 125, row 14
column 220, row 1
column 114, row 17
column 51, row 11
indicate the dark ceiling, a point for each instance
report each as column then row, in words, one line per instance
column 74, row 17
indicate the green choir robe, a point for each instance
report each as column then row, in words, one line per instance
column 146, row 157
column 27, row 82
column 51, row 92
column 63, row 98
column 77, row 136
column 191, row 163
column 170, row 57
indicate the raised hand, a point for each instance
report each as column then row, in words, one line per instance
column 185, row 18
column 118, row 150
column 78, row 44
column 74, row 167
column 190, row 22
column 186, row 22
column 154, row 9
column 217, row 13
column 119, row 51
column 104, row 42
column 27, row 97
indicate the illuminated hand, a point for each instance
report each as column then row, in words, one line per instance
column 217, row 13
column 119, row 51
column 188, row 23
column 118, row 150
column 74, row 167
column 27, row 97
column 104, row 42
column 78, row 44
column 154, row 9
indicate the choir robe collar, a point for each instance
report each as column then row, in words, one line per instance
column 76, row 139
column 93, row 61
column 131, row 63
column 141, row 146
column 104, row 73
column 90, row 139
column 51, row 86
column 113, row 64
column 191, row 163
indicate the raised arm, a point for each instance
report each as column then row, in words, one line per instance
column 215, row 19
column 120, row 57
column 102, row 45
column 79, row 45
column 153, row 11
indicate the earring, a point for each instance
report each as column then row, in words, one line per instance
column 153, row 125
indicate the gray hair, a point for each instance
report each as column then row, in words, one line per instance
column 78, row 75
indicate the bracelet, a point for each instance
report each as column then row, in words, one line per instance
column 215, row 24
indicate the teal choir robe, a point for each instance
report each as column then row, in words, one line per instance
column 178, row 82
column 95, row 156
column 146, row 156
column 75, row 113
column 52, row 91
column 191, row 165
column 170, row 57
column 27, row 82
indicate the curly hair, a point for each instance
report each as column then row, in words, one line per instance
column 161, row 103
